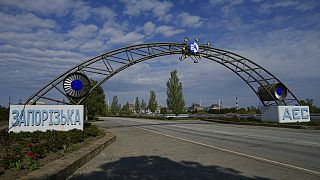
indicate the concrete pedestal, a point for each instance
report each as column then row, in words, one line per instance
column 285, row 114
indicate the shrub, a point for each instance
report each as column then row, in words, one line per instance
column 24, row 149
column 92, row 131
column 13, row 157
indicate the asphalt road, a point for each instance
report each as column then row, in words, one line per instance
column 216, row 150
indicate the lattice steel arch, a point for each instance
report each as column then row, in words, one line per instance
column 106, row 65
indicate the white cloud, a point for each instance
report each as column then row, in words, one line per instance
column 27, row 30
column 115, row 34
column 104, row 13
column 291, row 55
column 83, row 31
column 92, row 45
column 29, row 68
column 226, row 6
column 8, row 51
column 149, row 28
column 187, row 20
column 300, row 6
column 230, row 2
column 160, row 9
column 27, row 39
column 129, row 38
column 82, row 11
column 168, row 30
column 216, row 2
column 24, row 22
column 140, row 74
column 44, row 7
column 288, row 44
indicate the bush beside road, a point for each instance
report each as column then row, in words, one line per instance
column 4, row 114
column 25, row 151
column 303, row 125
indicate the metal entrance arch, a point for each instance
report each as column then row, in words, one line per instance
column 106, row 65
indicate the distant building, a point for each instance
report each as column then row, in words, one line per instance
column 196, row 107
column 131, row 107
column 215, row 107
column 158, row 110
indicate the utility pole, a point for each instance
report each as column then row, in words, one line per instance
column 9, row 101
column 237, row 103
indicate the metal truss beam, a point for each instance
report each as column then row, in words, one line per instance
column 106, row 65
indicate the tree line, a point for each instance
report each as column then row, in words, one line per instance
column 139, row 108
column 96, row 106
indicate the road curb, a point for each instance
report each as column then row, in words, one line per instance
column 64, row 167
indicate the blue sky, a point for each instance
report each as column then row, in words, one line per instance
column 40, row 39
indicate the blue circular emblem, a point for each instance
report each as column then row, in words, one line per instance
column 279, row 91
column 194, row 47
column 76, row 85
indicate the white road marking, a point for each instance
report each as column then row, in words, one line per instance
column 235, row 152
column 291, row 141
column 288, row 140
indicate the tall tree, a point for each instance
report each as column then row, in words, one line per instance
column 143, row 106
column 137, row 107
column 95, row 102
column 163, row 111
column 152, row 105
column 4, row 113
column 114, row 105
column 310, row 102
column 175, row 100
column 126, row 109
